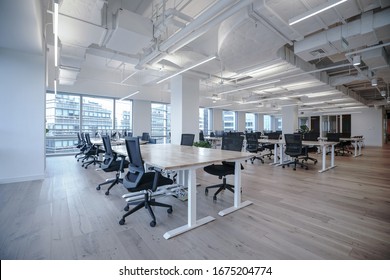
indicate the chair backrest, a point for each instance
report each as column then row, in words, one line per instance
column 187, row 139
column 145, row 136
column 88, row 139
column 136, row 164
column 232, row 143
column 212, row 134
column 152, row 141
column 293, row 144
column 311, row 136
column 333, row 137
column 273, row 135
column 252, row 143
column 109, row 155
column 201, row 136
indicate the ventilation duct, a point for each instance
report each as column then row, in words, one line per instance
column 132, row 32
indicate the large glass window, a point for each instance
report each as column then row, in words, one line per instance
column 250, row 122
column 205, row 121
column 161, row 122
column 97, row 115
column 123, row 115
column 62, row 123
column 229, row 121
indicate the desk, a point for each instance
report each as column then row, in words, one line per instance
column 322, row 144
column 357, row 142
column 188, row 159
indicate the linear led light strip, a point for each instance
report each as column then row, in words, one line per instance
column 248, row 87
column 134, row 93
column 55, row 31
column 186, row 69
column 315, row 11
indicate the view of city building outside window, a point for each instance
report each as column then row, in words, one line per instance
column 63, row 120
column 97, row 116
column 123, row 116
column 161, row 122
column 205, row 121
column 229, row 121
column 272, row 123
column 62, row 123
column 250, row 122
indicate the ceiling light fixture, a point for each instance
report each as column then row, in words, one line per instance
column 250, row 86
column 356, row 60
column 134, row 93
column 128, row 77
column 374, row 82
column 220, row 106
column 315, row 11
column 55, row 31
column 186, row 69
column 55, row 87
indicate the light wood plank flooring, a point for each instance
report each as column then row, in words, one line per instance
column 340, row 214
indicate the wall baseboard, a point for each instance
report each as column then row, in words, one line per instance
column 22, row 179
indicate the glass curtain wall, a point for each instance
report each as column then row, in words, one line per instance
column 205, row 121
column 161, row 122
column 229, row 121
column 250, row 122
column 68, row 114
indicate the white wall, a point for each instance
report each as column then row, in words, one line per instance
column 142, row 117
column 241, row 121
column 22, row 116
column 217, row 119
column 369, row 124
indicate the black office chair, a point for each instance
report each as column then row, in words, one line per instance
column 201, row 136
column 92, row 152
column 334, row 137
column 111, row 163
column 152, row 141
column 270, row 147
column 145, row 136
column 81, row 144
column 252, row 146
column 137, row 180
column 187, row 139
column 295, row 149
column 231, row 143
column 310, row 136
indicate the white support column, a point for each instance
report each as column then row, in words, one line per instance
column 289, row 119
column 144, row 124
column 260, row 122
column 184, row 107
column 240, row 121
column 217, row 119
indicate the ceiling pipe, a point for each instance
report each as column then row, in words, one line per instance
column 197, row 23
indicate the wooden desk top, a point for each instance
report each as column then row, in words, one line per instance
column 174, row 157
column 306, row 143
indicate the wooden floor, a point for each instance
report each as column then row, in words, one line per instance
column 340, row 214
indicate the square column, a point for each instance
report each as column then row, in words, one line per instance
column 184, row 107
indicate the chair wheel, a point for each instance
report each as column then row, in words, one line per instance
column 315, row 162
column 98, row 188
column 214, row 198
column 283, row 166
column 107, row 193
column 86, row 167
column 152, row 223
column 206, row 191
column 126, row 208
column 122, row 222
column 169, row 210
column 307, row 168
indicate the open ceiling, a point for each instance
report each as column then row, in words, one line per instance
column 113, row 47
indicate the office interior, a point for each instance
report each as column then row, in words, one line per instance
column 299, row 61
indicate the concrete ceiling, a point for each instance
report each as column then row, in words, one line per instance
column 116, row 47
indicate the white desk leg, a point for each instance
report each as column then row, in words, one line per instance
column 192, row 222
column 324, row 168
column 237, row 192
column 275, row 153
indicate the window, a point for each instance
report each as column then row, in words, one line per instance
column 161, row 122
column 91, row 122
column 205, row 121
column 62, row 128
column 229, row 121
column 250, row 122
column 123, row 115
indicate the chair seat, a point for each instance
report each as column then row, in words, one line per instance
column 219, row 169
column 114, row 166
column 147, row 178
